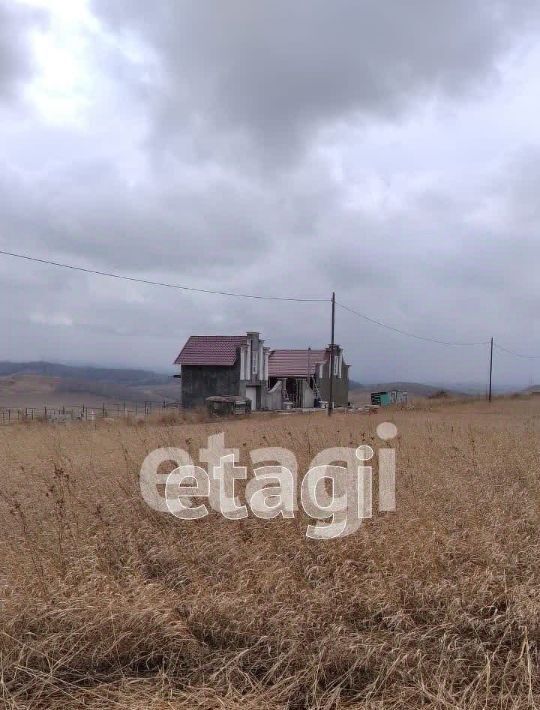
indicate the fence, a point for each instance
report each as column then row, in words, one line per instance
column 12, row 415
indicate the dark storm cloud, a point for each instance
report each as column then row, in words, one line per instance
column 277, row 71
column 15, row 56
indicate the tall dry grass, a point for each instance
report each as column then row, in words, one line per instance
column 107, row 604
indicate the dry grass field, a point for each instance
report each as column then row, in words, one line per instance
column 105, row 603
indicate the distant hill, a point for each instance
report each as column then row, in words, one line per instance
column 118, row 376
column 414, row 389
column 37, row 384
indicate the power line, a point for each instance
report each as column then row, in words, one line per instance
column 193, row 289
column 160, row 283
column 511, row 352
column 434, row 340
column 404, row 332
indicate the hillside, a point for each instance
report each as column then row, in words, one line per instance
column 39, row 384
column 361, row 392
column 120, row 376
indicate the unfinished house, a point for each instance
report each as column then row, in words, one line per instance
column 301, row 378
column 224, row 365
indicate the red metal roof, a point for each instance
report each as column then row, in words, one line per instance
column 295, row 363
column 210, row 350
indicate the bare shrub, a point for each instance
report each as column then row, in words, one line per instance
column 439, row 394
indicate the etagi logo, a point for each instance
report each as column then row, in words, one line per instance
column 336, row 491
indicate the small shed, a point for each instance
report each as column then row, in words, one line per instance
column 226, row 405
column 384, row 399
column 381, row 399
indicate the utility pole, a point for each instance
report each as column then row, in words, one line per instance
column 308, row 370
column 490, row 368
column 331, row 398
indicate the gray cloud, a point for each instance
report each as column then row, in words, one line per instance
column 15, row 57
column 276, row 72
column 90, row 212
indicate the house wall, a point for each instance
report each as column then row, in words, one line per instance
column 202, row 381
column 341, row 385
column 253, row 366
column 308, row 396
column 255, row 370
column 274, row 397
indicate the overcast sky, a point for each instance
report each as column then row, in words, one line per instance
column 387, row 150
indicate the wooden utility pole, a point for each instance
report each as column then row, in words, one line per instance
column 332, row 355
column 490, row 369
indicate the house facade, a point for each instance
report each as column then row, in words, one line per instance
column 243, row 366
column 223, row 365
column 305, row 376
